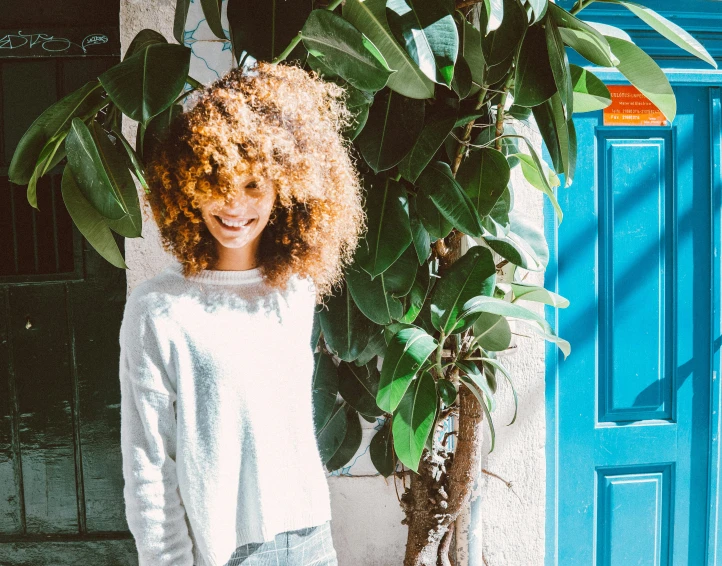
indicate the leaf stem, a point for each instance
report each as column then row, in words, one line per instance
column 579, row 6
column 296, row 40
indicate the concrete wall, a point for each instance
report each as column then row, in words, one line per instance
column 366, row 514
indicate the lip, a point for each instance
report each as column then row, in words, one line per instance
column 232, row 219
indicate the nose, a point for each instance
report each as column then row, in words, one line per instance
column 237, row 204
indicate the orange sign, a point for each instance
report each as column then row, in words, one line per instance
column 630, row 107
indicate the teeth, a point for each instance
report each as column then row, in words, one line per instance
column 234, row 224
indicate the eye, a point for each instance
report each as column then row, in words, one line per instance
column 252, row 185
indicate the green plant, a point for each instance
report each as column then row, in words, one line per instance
column 434, row 87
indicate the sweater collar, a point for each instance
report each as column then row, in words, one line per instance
column 220, row 277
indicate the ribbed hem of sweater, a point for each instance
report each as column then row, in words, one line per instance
column 219, row 276
column 254, row 533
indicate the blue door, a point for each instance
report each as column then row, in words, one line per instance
column 633, row 411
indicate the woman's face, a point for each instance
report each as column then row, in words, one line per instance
column 239, row 222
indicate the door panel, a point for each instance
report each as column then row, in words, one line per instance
column 632, row 415
column 61, row 304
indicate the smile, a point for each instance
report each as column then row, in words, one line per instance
column 234, row 224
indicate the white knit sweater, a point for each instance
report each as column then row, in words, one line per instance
column 217, row 431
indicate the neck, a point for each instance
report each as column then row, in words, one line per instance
column 237, row 259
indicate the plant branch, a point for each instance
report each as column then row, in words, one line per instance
column 296, row 40
column 508, row 484
column 466, row 3
column 439, row 352
column 467, row 133
column 502, row 104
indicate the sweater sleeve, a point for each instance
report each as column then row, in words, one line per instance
column 154, row 510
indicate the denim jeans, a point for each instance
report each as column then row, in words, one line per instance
column 311, row 546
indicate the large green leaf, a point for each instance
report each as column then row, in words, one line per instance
column 436, row 130
column 539, row 178
column 407, row 351
column 668, row 29
column 478, row 393
column 414, row 420
column 472, row 52
column 349, row 445
column 51, row 154
column 155, row 132
column 420, row 236
column 528, row 292
column 345, row 50
column 484, row 175
column 143, row 39
column 498, row 306
column 381, row 450
column 491, row 366
column 611, row 31
column 264, row 29
column 115, row 163
column 212, row 12
column 358, row 103
column 590, row 93
column 401, row 274
column 572, row 136
column 324, row 387
column 447, row 391
column 423, row 283
column 432, row 220
column 560, row 66
column 373, row 297
column 644, row 73
column 492, row 332
column 471, row 370
column 89, row 221
column 462, row 84
column 553, row 127
column 534, row 79
column 428, row 33
column 147, row 83
column 375, row 347
column 393, row 126
column 582, row 37
column 179, row 19
column 369, row 17
column 473, row 274
column 52, row 126
column 133, row 160
column 497, row 73
column 331, row 435
column 359, row 386
column 438, row 184
column 539, row 9
column 545, row 180
column 501, row 43
column 492, row 15
column 94, row 169
column 346, row 330
column 524, row 245
column 388, row 229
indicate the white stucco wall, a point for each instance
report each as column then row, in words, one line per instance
column 366, row 514
column 513, row 519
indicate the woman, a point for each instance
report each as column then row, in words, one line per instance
column 256, row 196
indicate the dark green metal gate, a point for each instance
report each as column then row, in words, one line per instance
column 61, row 483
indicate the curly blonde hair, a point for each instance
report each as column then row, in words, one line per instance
column 283, row 124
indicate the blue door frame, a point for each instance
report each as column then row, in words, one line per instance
column 690, row 79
